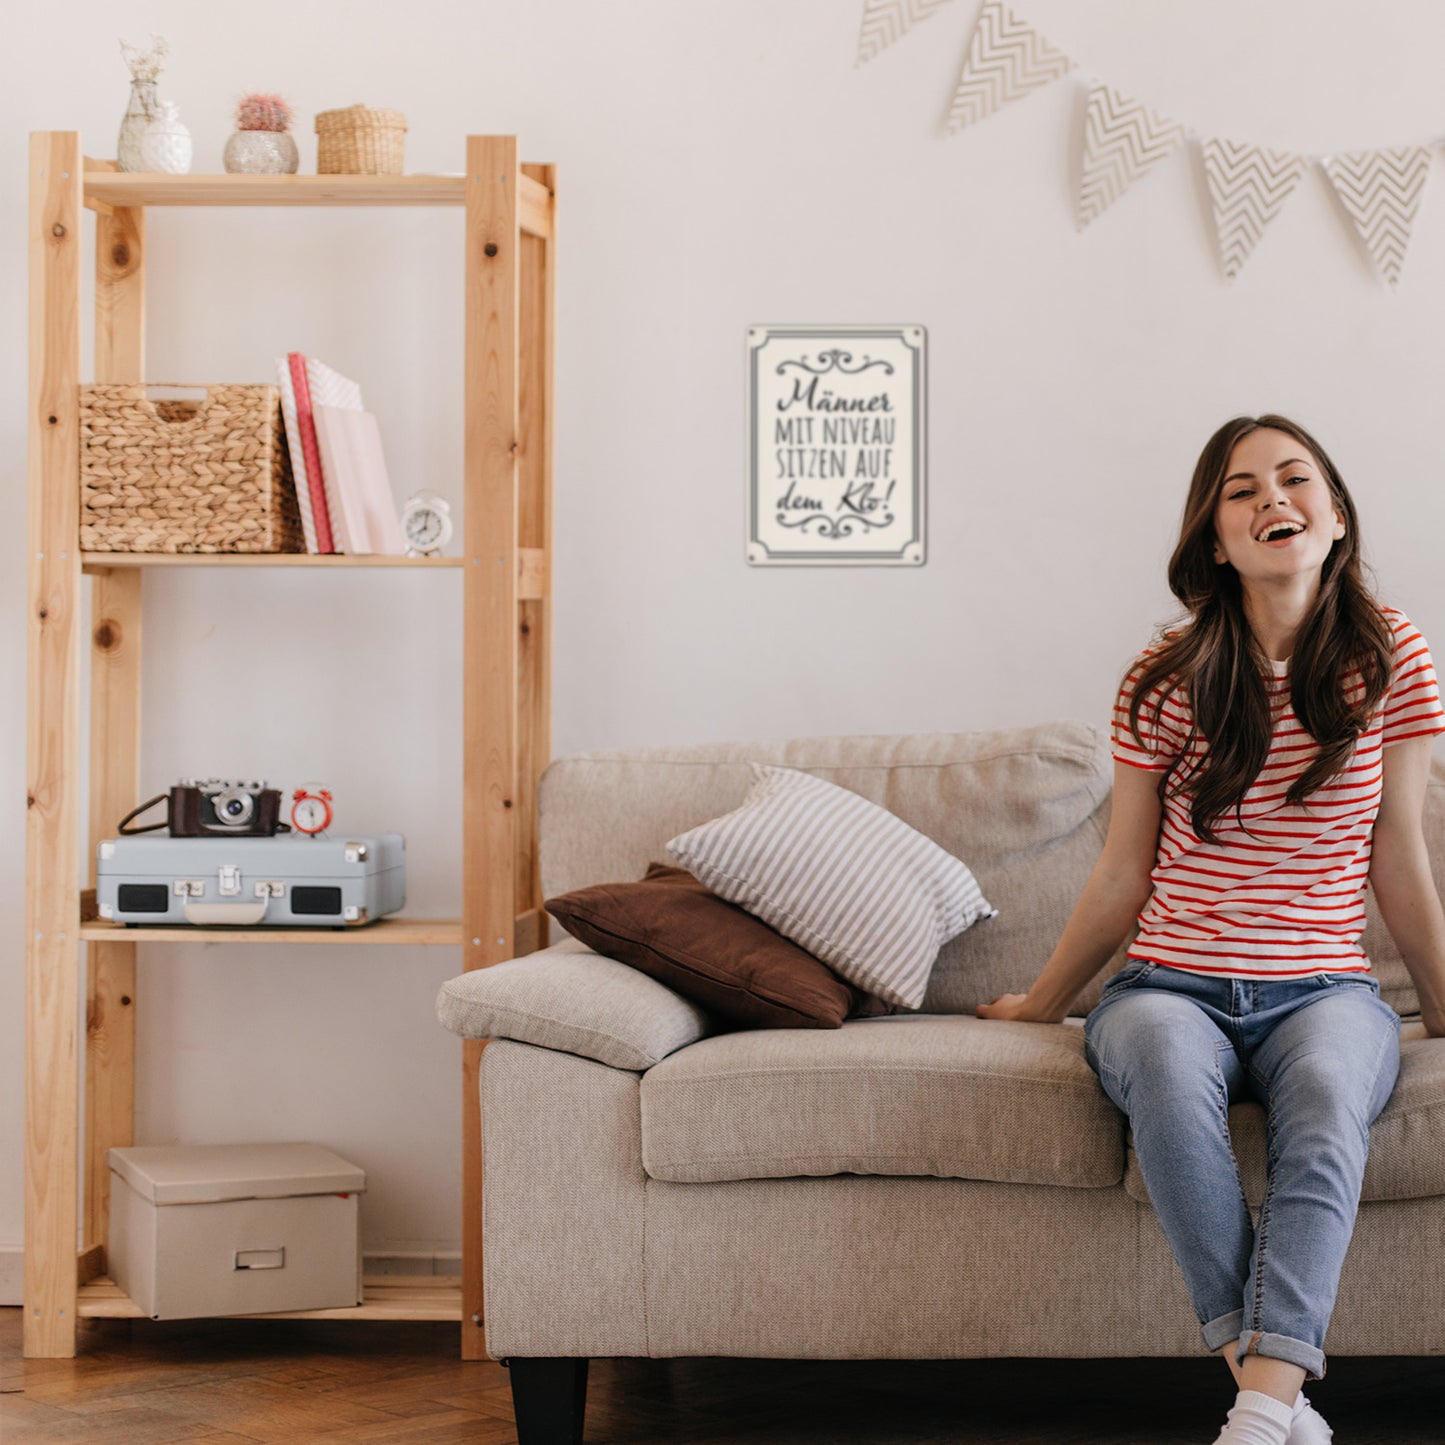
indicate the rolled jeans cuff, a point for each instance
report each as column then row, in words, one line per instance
column 1223, row 1331
column 1281, row 1347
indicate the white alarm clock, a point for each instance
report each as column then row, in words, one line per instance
column 311, row 809
column 426, row 524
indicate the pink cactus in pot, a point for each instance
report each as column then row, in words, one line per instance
column 263, row 143
column 260, row 111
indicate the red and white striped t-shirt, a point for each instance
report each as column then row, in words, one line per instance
column 1285, row 899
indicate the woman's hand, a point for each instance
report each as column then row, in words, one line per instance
column 1012, row 1006
column 1117, row 889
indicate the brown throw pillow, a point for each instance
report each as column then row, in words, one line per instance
column 670, row 927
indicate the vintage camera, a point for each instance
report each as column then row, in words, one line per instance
column 218, row 806
column 215, row 806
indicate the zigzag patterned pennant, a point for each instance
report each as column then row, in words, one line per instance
column 1122, row 140
column 1007, row 58
column 1381, row 190
column 885, row 21
column 1248, row 186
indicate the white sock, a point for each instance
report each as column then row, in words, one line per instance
column 1257, row 1419
column 1307, row 1425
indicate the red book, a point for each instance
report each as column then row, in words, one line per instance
column 306, row 424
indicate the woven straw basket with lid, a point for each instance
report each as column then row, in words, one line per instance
column 359, row 142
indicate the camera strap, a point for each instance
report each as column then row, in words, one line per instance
column 145, row 807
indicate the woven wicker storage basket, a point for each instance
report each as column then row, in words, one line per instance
column 359, row 142
column 186, row 476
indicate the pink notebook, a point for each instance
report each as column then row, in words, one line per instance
column 363, row 509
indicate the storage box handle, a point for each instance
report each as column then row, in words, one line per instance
column 176, row 412
column 260, row 1259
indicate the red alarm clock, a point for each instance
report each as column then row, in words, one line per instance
column 311, row 809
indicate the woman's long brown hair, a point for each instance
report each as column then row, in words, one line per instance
column 1217, row 661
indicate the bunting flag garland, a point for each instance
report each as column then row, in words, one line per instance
column 1122, row 140
column 885, row 21
column 1006, row 59
column 1248, row 186
column 1381, row 190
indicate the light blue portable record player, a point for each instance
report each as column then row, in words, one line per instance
column 251, row 882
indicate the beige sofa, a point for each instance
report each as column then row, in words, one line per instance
column 919, row 1186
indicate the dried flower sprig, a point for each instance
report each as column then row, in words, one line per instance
column 145, row 64
column 261, row 111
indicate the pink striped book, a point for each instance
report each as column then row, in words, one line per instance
column 306, row 426
column 296, row 453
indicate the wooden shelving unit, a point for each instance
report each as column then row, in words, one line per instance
column 508, row 269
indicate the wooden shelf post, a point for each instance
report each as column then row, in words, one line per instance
column 52, row 891
column 115, row 640
column 489, row 721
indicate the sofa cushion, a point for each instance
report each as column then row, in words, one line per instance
column 575, row 1001
column 1407, row 1141
column 674, row 929
column 842, row 877
column 952, row 1097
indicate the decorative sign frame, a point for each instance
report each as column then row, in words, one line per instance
column 837, row 445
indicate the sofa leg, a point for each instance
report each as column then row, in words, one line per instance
column 549, row 1397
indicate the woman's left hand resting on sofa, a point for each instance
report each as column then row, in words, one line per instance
column 1112, row 899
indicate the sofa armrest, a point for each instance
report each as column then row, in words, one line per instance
column 575, row 1001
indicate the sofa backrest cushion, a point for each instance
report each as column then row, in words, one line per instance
column 1025, row 808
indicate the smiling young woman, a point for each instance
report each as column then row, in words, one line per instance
column 1303, row 601
column 1271, row 757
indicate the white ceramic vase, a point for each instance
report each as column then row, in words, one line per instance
column 166, row 146
column 261, row 152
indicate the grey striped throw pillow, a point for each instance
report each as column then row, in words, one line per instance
column 845, row 879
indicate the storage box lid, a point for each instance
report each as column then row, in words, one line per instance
column 210, row 1173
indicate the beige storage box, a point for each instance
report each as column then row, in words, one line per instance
column 235, row 1229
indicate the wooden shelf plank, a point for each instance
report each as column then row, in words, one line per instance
column 386, row 1297
column 385, row 930
column 146, row 188
column 107, row 188
column 532, row 565
column 100, row 561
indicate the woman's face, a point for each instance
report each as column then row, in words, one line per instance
column 1274, row 518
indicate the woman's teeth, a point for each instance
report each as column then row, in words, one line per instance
column 1280, row 529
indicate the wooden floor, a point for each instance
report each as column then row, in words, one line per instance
column 136, row 1383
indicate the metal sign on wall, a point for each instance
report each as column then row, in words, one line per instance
column 836, row 445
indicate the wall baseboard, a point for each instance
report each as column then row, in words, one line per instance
column 12, row 1268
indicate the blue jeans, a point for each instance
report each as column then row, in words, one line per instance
column 1173, row 1050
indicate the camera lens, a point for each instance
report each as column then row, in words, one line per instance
column 234, row 807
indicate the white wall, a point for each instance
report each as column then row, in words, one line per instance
column 723, row 163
